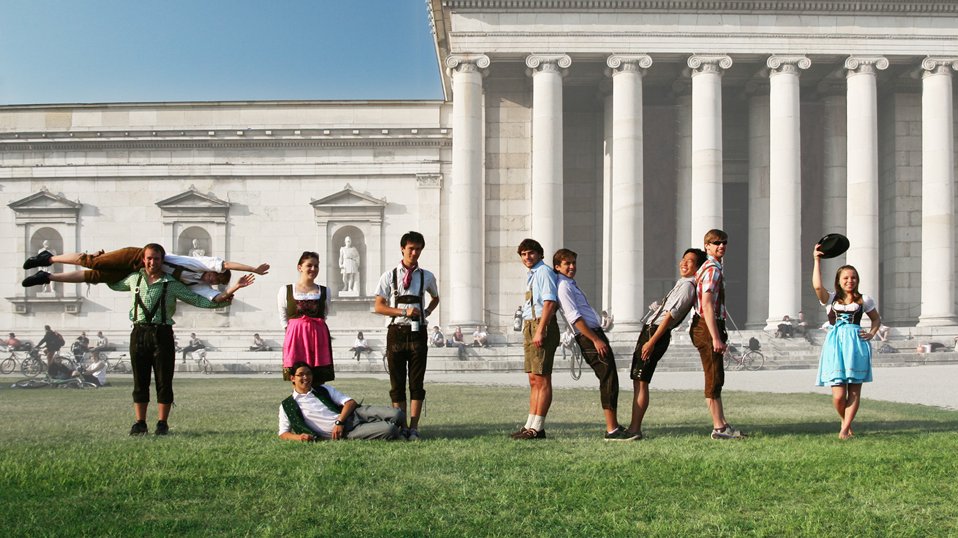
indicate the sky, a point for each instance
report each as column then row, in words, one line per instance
column 99, row 51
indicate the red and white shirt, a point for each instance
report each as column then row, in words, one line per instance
column 710, row 278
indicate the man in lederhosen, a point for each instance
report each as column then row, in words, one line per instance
column 540, row 336
column 400, row 296
column 151, row 342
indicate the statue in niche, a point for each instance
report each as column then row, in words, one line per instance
column 196, row 250
column 349, row 266
column 45, row 247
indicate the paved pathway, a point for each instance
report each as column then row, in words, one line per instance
column 928, row 385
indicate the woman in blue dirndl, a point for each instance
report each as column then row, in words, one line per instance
column 846, row 360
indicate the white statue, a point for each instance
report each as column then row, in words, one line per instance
column 349, row 266
column 196, row 250
column 45, row 247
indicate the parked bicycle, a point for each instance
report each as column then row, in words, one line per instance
column 71, row 376
column 119, row 365
column 199, row 357
column 743, row 358
column 9, row 364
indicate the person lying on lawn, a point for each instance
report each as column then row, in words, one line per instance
column 200, row 273
column 322, row 412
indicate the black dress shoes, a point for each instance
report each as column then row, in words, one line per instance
column 40, row 260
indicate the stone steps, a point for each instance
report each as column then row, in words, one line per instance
column 506, row 354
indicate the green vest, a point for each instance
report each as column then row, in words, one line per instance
column 295, row 415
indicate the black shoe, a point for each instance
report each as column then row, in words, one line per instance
column 40, row 260
column 139, row 428
column 162, row 428
column 37, row 279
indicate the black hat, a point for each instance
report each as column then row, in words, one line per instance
column 833, row 245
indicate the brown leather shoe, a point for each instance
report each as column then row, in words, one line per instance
column 518, row 433
column 530, row 434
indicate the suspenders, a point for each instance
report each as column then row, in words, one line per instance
column 159, row 306
column 396, row 296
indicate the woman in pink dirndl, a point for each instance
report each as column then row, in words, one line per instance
column 302, row 309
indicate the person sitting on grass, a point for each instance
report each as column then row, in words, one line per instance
column 322, row 412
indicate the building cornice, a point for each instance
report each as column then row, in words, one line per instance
column 804, row 7
column 224, row 139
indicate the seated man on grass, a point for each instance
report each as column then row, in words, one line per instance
column 322, row 412
column 200, row 273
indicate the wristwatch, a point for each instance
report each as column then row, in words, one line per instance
column 338, row 422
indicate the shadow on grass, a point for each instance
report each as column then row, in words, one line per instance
column 578, row 430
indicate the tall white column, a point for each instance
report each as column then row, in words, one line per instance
column 834, row 155
column 465, row 252
column 862, row 138
column 628, row 275
column 706, row 143
column 547, row 219
column 758, row 212
column 785, row 189
column 937, row 193
column 683, row 168
column 607, row 255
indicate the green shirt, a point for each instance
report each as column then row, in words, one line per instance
column 150, row 294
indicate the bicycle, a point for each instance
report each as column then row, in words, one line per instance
column 750, row 359
column 199, row 356
column 9, row 364
column 33, row 364
column 119, row 365
column 74, row 381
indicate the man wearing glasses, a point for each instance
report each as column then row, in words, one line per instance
column 322, row 412
column 708, row 330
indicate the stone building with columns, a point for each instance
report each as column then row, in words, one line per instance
column 620, row 129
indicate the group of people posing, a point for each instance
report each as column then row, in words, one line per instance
column 316, row 410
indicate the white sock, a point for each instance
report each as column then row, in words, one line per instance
column 537, row 422
column 529, row 421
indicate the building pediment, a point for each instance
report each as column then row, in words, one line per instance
column 193, row 199
column 351, row 204
column 349, row 197
column 45, row 205
column 194, row 206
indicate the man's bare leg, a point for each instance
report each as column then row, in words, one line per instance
column 717, row 412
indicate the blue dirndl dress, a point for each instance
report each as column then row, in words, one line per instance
column 846, row 358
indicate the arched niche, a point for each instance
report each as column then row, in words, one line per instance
column 337, row 244
column 46, row 238
column 204, row 244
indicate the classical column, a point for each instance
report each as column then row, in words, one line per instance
column 628, row 275
column 682, row 91
column 937, row 193
column 706, row 143
column 547, row 219
column 862, row 138
column 607, row 254
column 758, row 212
column 785, row 189
column 465, row 229
column 835, row 146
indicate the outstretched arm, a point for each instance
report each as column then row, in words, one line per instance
column 260, row 269
column 820, row 290
column 245, row 280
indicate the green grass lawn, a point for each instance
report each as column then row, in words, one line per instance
column 68, row 467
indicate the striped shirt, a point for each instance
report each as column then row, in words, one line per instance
column 710, row 278
column 151, row 293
